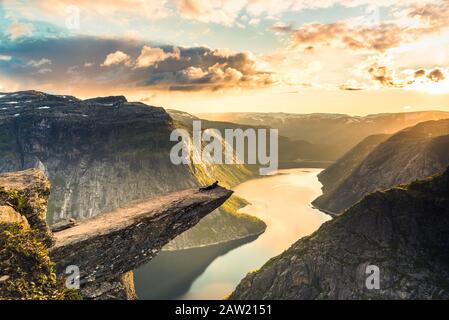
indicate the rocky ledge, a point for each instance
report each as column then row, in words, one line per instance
column 104, row 248
column 110, row 244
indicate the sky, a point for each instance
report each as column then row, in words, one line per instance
column 201, row 56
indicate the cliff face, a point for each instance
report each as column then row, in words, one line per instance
column 111, row 244
column 336, row 173
column 23, row 199
column 98, row 153
column 413, row 153
column 104, row 248
column 26, row 271
column 102, row 153
column 403, row 231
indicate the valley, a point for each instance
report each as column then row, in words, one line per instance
column 104, row 153
column 281, row 201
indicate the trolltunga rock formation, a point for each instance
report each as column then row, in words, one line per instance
column 111, row 244
column 105, row 248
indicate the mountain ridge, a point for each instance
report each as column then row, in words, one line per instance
column 403, row 231
column 412, row 153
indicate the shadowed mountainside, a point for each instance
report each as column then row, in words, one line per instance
column 403, row 231
column 413, row 153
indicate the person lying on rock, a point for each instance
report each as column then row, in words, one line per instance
column 210, row 187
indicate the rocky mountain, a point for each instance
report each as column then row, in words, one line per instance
column 413, row 153
column 26, row 270
column 102, row 153
column 104, row 248
column 289, row 151
column 402, row 232
column 331, row 135
column 333, row 175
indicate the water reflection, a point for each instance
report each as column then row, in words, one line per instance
column 282, row 201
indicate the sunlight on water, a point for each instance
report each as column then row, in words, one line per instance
column 283, row 202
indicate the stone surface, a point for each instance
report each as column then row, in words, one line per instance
column 26, row 271
column 9, row 215
column 24, row 196
column 121, row 288
column 404, row 231
column 111, row 244
column 105, row 248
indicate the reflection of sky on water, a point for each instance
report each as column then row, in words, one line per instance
column 283, row 202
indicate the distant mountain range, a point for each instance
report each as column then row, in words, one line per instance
column 381, row 162
column 328, row 136
column 403, row 232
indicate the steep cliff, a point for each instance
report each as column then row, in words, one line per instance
column 111, row 244
column 336, row 173
column 105, row 248
column 413, row 153
column 403, row 231
column 102, row 153
column 224, row 224
column 26, row 271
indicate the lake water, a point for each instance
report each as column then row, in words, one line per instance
column 282, row 201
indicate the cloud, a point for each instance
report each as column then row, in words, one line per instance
column 341, row 34
column 39, row 63
column 217, row 11
column 382, row 74
column 5, row 58
column 387, row 77
column 205, row 69
column 419, row 73
column 17, row 30
column 116, row 58
column 355, row 34
column 93, row 62
column 436, row 75
column 154, row 9
column 150, row 56
column 281, row 27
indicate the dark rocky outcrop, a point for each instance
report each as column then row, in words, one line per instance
column 26, row 271
column 404, row 231
column 24, row 196
column 111, row 244
column 413, row 153
column 104, row 248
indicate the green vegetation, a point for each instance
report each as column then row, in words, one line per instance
column 13, row 197
column 233, row 205
column 26, row 271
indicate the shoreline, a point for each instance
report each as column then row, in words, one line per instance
column 251, row 235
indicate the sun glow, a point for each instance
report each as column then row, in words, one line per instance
column 441, row 87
